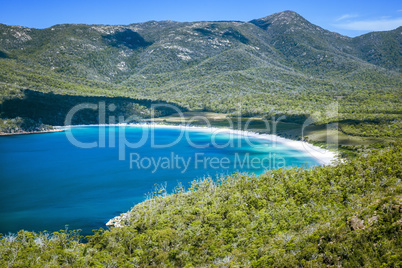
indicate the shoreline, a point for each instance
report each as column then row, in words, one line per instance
column 33, row 132
column 322, row 156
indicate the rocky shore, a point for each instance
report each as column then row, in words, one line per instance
column 118, row 221
column 30, row 132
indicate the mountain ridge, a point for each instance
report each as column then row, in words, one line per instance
column 216, row 66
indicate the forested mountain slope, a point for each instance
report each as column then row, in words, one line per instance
column 277, row 64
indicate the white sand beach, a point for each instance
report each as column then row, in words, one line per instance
column 322, row 156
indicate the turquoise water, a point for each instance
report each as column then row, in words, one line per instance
column 46, row 182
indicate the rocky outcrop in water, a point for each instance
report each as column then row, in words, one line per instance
column 118, row 221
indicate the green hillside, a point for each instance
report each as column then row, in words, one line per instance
column 277, row 64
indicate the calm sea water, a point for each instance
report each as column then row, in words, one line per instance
column 46, row 182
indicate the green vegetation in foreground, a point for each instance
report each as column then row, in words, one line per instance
column 344, row 215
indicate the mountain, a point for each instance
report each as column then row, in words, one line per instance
column 381, row 48
column 277, row 64
column 295, row 36
column 287, row 29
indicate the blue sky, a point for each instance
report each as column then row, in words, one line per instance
column 347, row 17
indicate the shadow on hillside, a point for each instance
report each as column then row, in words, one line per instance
column 230, row 33
column 50, row 108
column 126, row 38
column 3, row 55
